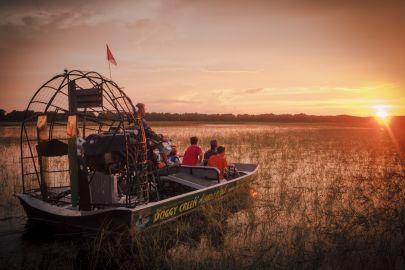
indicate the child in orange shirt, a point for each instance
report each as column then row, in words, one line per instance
column 219, row 161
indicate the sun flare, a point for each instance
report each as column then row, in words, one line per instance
column 382, row 115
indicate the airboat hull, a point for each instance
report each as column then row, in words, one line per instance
column 63, row 219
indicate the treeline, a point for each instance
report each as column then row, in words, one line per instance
column 17, row 116
column 14, row 116
column 268, row 117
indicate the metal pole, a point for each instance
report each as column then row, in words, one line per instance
column 72, row 145
column 109, row 67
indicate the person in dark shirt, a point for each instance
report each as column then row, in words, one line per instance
column 173, row 158
column 150, row 134
column 219, row 161
column 210, row 152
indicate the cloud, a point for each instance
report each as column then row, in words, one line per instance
column 30, row 20
column 172, row 101
column 230, row 69
column 142, row 24
column 254, row 90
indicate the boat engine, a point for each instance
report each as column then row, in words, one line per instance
column 90, row 149
column 114, row 158
column 106, row 152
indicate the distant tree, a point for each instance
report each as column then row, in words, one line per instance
column 15, row 116
column 2, row 115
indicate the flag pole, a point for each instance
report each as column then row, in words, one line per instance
column 109, row 68
column 110, row 58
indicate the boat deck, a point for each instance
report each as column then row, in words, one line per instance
column 199, row 177
column 244, row 167
column 191, row 180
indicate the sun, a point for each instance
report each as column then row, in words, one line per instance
column 381, row 114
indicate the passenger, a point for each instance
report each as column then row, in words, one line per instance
column 193, row 154
column 173, row 158
column 150, row 134
column 212, row 151
column 219, row 161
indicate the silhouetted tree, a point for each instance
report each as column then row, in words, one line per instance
column 154, row 116
column 2, row 115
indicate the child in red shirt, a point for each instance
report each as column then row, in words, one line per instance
column 193, row 154
column 219, row 161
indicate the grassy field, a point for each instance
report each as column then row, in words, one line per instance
column 330, row 196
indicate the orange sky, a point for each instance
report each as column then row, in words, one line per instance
column 315, row 57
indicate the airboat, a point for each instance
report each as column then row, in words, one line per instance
column 87, row 161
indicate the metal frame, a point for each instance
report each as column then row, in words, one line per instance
column 52, row 99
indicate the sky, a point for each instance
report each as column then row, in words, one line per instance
column 327, row 57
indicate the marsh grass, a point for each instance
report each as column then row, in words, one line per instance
column 154, row 247
column 329, row 197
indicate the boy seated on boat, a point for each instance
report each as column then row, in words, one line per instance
column 219, row 161
column 211, row 151
column 173, row 158
column 193, row 154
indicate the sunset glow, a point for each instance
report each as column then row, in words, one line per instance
column 382, row 114
column 202, row 134
column 236, row 57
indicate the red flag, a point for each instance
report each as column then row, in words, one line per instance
column 110, row 57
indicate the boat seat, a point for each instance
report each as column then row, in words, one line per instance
column 189, row 180
column 203, row 172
